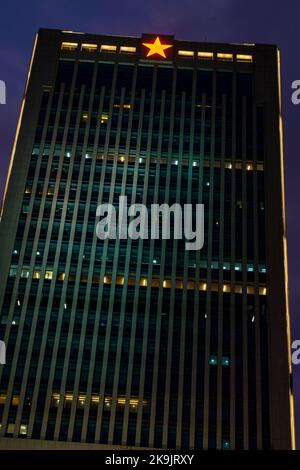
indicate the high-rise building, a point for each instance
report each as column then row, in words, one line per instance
column 141, row 342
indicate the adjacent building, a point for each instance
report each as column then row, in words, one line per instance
column 140, row 342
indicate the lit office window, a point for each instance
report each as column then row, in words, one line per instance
column 104, row 118
column 213, row 360
column 262, row 291
column 108, row 48
column 23, row 429
column 186, row 53
column 124, row 106
column 127, row 50
column 225, row 361
column 12, row 272
column 69, row 46
column 205, row 55
column 225, row 444
column 89, row 47
column 225, row 57
column 15, row 400
column 50, row 191
column 244, row 58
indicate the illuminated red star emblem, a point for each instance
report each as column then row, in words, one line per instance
column 157, row 48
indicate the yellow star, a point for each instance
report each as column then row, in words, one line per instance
column 157, row 47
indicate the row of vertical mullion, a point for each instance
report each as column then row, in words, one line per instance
column 148, row 297
column 244, row 282
column 126, row 420
column 184, row 309
column 209, row 274
column 127, row 269
column 171, row 313
column 220, row 294
column 77, row 279
column 114, row 273
column 162, row 274
column 256, row 290
column 65, row 283
column 195, row 357
column 32, row 264
column 172, row 293
column 115, row 163
column 123, row 309
column 53, row 282
column 103, row 262
column 232, row 272
column 90, row 277
column 145, row 191
column 17, row 281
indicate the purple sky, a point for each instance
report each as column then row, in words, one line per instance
column 257, row 21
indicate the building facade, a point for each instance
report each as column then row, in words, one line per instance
column 141, row 342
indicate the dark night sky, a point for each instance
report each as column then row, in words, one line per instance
column 255, row 21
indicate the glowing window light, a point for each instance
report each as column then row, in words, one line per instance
column 244, row 58
column 206, row 55
column 262, row 291
column 225, row 444
column 104, row 118
column 224, row 56
column 23, row 429
column 225, row 361
column 89, row 47
column 186, row 53
column 108, row 48
column 127, row 50
column 213, row 361
column 15, row 400
column 124, row 106
column 69, row 46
